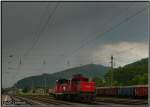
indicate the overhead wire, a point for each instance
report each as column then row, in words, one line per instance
column 111, row 19
column 35, row 39
column 45, row 26
column 124, row 51
column 42, row 29
column 38, row 32
column 34, row 43
column 106, row 23
column 110, row 29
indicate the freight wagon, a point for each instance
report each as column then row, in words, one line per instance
column 138, row 91
column 141, row 91
column 126, row 91
column 106, row 91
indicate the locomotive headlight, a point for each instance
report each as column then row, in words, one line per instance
column 64, row 88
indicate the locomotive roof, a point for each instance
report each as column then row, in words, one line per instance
column 79, row 77
column 62, row 80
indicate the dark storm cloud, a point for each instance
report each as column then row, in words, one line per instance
column 71, row 25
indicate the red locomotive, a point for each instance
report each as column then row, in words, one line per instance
column 78, row 88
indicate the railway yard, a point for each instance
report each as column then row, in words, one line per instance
column 79, row 54
column 49, row 100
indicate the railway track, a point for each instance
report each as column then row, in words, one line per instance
column 26, row 100
column 109, row 100
column 121, row 101
column 49, row 100
column 16, row 100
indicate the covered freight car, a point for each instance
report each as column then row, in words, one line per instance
column 141, row 91
column 106, row 91
column 126, row 91
column 137, row 91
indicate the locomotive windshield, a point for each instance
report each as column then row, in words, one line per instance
column 61, row 81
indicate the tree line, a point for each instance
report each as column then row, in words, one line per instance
column 132, row 74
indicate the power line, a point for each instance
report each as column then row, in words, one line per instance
column 34, row 41
column 50, row 16
column 39, row 25
column 93, row 59
column 110, row 20
column 39, row 33
column 50, row 55
column 42, row 29
column 109, row 30
column 126, row 19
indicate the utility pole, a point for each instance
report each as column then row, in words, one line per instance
column 112, row 61
column 19, row 63
column 45, row 83
column 32, row 86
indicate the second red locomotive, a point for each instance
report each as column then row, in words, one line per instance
column 78, row 88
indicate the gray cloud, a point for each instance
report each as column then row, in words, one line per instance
column 72, row 25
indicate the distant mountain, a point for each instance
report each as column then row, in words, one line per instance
column 90, row 70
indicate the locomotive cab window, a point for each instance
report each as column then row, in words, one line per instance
column 62, row 81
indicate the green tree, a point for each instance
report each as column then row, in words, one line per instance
column 132, row 74
column 25, row 90
column 99, row 81
column 139, row 79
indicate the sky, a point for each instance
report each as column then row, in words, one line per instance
column 47, row 37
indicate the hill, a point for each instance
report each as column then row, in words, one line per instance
column 132, row 74
column 48, row 80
